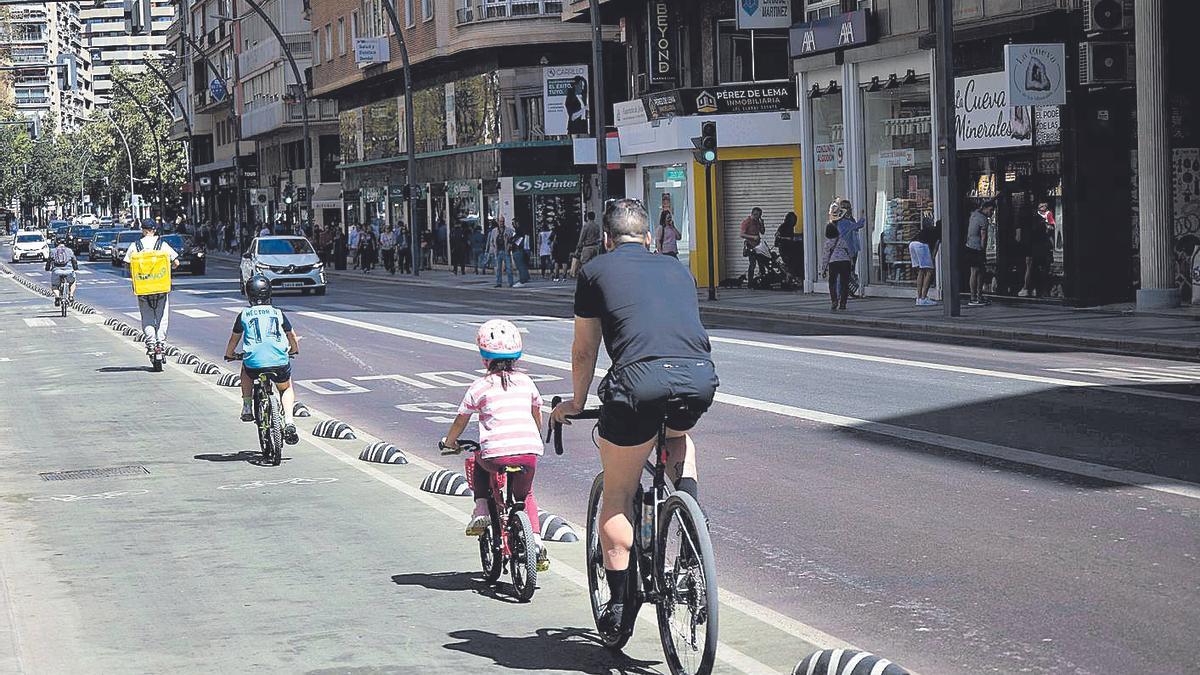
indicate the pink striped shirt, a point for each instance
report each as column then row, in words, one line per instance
column 506, row 424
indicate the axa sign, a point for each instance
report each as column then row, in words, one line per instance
column 546, row 185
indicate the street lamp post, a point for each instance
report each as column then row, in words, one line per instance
column 598, row 100
column 410, row 138
column 190, row 139
column 128, row 154
column 162, row 206
column 942, row 12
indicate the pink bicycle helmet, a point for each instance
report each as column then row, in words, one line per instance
column 499, row 339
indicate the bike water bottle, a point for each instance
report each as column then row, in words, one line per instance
column 647, row 519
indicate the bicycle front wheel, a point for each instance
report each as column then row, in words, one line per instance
column 490, row 555
column 276, row 434
column 522, row 556
column 598, row 578
column 687, row 577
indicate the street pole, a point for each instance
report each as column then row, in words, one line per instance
column 598, row 100
column 128, row 154
column 82, row 173
column 947, row 154
column 300, row 84
column 410, row 138
column 190, row 138
column 712, row 265
column 162, row 206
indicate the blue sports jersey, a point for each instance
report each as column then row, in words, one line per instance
column 264, row 341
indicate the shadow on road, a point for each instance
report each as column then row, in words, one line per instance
column 570, row 649
column 124, row 369
column 248, row 456
column 453, row 581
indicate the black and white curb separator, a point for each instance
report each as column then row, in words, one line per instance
column 383, row 453
column 187, row 359
column 230, row 380
column 555, row 528
column 300, row 410
column 846, row 662
column 170, row 350
column 139, row 336
column 334, row 429
column 206, row 368
column 110, row 322
column 446, row 482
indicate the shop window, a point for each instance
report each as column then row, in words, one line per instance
column 899, row 176
column 750, row 55
column 666, row 190
column 829, row 150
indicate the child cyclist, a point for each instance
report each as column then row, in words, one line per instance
column 267, row 340
column 510, row 418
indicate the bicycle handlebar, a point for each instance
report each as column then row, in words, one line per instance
column 463, row 445
column 241, row 355
column 554, row 429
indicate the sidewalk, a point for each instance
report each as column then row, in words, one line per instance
column 1113, row 328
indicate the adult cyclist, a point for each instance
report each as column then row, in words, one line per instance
column 267, row 341
column 644, row 307
column 62, row 266
column 154, row 309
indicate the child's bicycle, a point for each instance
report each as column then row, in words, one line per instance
column 671, row 564
column 508, row 540
column 268, row 417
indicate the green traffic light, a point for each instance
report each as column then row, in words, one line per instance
column 710, row 156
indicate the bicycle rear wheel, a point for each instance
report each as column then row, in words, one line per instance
column 597, row 578
column 522, row 556
column 262, row 414
column 687, row 577
column 276, row 418
column 489, row 548
column 63, row 301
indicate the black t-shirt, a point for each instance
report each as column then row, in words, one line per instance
column 646, row 304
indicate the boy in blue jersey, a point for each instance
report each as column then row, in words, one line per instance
column 267, row 342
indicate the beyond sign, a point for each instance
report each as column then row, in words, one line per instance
column 662, row 42
column 852, row 29
column 546, row 185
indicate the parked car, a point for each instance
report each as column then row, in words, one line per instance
column 106, row 222
column 80, row 239
column 59, row 230
column 30, row 246
column 101, row 245
column 124, row 240
column 288, row 262
column 193, row 257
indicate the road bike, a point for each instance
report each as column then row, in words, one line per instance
column 671, row 564
column 268, row 417
column 63, row 287
column 508, row 540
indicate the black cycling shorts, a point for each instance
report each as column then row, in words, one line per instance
column 634, row 398
column 277, row 374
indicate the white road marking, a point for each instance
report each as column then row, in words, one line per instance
column 195, row 313
column 89, row 319
column 38, row 323
column 235, row 310
column 436, row 303
column 136, row 315
column 1074, row 466
column 324, row 386
column 1144, row 374
column 398, row 378
column 342, row 307
column 193, row 291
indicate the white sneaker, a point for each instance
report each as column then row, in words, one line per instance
column 518, row 285
column 1023, row 294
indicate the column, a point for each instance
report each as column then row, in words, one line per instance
column 1158, row 289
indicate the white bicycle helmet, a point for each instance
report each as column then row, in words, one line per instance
column 499, row 339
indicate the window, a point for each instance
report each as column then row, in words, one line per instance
column 823, row 9
column 410, row 14
column 341, row 32
column 328, row 42
column 751, row 55
column 354, row 28
column 427, row 9
column 316, row 48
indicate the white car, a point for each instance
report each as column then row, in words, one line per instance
column 287, row 262
column 29, row 245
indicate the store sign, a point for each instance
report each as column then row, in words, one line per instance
column 547, row 185
column 983, row 118
column 460, row 189
column 565, row 100
column 830, row 156
column 730, row 99
column 664, row 42
column 1047, row 125
column 369, row 51
column 897, row 158
column 852, row 29
column 676, row 174
column 629, row 112
column 1036, row 74
column 763, row 13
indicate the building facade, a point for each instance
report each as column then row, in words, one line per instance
column 41, row 36
column 111, row 42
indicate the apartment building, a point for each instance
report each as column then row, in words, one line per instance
column 485, row 145
column 38, row 36
column 110, row 41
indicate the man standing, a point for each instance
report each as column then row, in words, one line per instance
column 352, row 240
column 753, row 230
column 589, row 242
column 499, row 248
column 155, row 309
column 976, row 245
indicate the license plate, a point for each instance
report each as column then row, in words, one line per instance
column 292, row 284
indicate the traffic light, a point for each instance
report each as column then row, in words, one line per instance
column 289, row 194
column 706, row 144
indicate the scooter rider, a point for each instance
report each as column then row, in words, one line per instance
column 153, row 308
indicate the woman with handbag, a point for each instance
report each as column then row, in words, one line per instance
column 836, row 264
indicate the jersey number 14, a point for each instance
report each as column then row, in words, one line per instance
column 254, row 334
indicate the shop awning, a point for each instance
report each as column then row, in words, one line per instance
column 327, row 196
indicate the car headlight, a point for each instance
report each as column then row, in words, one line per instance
column 319, row 266
column 260, row 267
column 199, row 254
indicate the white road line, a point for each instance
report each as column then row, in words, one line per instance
column 730, row 655
column 435, row 303
column 136, row 315
column 38, row 323
column 195, row 313
column 342, row 307
column 235, row 310
column 89, row 319
column 1066, row 465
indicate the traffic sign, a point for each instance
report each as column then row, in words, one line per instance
column 218, row 89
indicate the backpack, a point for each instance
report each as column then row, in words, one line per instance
column 62, row 257
column 150, row 270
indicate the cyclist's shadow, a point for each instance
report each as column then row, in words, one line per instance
column 253, row 457
column 570, row 649
column 455, row 581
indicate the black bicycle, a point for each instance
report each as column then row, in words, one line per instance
column 508, row 540
column 671, row 564
column 268, row 417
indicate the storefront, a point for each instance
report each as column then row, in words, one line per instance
column 548, row 201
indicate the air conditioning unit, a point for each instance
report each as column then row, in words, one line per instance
column 1100, row 16
column 1104, row 63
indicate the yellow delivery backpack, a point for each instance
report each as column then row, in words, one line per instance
column 150, row 269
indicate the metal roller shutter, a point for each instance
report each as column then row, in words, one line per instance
column 762, row 183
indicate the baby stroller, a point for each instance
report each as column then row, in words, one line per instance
column 774, row 274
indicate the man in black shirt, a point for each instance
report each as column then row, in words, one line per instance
column 644, row 307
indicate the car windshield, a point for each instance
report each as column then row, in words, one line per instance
column 104, row 237
column 284, row 247
column 86, row 232
column 175, row 241
column 129, row 237
column 26, row 238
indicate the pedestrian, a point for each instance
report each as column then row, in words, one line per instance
column 588, row 246
column 562, row 244
column 353, row 239
column 1038, row 248
column 668, row 234
column 220, row 238
column 974, row 255
column 478, row 248
column 460, row 248
column 503, row 258
column 442, row 235
column 519, row 249
column 842, row 212
column 751, row 231
column 920, row 253
column 404, row 249
column 368, row 247
column 791, row 247
column 387, row 247
column 543, row 244
column 836, row 265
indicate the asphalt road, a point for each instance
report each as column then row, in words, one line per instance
column 957, row 509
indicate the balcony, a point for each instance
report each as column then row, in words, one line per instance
column 488, row 10
column 268, row 52
column 267, row 115
column 32, row 101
